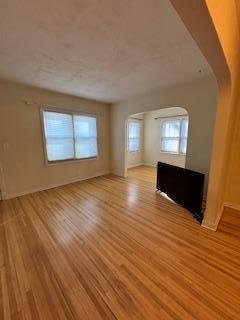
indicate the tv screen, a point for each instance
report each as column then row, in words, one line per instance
column 183, row 186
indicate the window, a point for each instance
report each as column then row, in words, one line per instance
column 174, row 135
column 69, row 136
column 134, row 131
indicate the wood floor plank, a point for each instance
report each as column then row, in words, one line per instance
column 113, row 248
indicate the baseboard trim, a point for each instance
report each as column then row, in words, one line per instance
column 135, row 165
column 209, row 226
column 213, row 225
column 42, row 188
column 150, row 165
column 231, row 205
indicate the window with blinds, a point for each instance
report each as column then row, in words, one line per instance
column 174, row 135
column 69, row 136
column 134, row 131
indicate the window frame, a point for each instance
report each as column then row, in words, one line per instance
column 71, row 112
column 167, row 119
column 140, row 125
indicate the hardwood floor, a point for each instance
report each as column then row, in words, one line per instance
column 112, row 248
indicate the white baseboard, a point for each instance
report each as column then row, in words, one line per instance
column 55, row 185
column 210, row 226
column 142, row 164
column 150, row 165
column 2, row 184
column 135, row 165
column 213, row 225
column 231, row 205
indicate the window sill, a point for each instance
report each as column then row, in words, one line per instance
column 135, row 151
column 70, row 161
column 173, row 153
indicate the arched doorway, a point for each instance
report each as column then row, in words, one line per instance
column 158, row 135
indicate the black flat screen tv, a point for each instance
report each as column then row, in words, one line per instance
column 183, row 186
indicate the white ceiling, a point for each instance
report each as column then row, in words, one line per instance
column 108, row 50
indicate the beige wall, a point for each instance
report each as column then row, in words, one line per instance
column 199, row 98
column 224, row 187
column 21, row 146
column 152, row 138
column 135, row 159
column 227, row 23
column 219, row 25
column 22, row 164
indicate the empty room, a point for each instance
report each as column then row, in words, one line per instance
column 119, row 159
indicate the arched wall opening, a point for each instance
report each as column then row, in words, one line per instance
column 216, row 31
column 148, row 137
column 199, row 98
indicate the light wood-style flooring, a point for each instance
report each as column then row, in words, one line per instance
column 112, row 248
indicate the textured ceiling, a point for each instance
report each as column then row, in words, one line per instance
column 108, row 50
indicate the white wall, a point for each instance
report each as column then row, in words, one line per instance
column 152, row 138
column 21, row 145
column 135, row 158
column 199, row 98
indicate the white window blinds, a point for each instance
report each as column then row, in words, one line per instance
column 174, row 135
column 184, row 136
column 69, row 136
column 59, row 136
column 170, row 136
column 85, row 131
column 134, row 131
